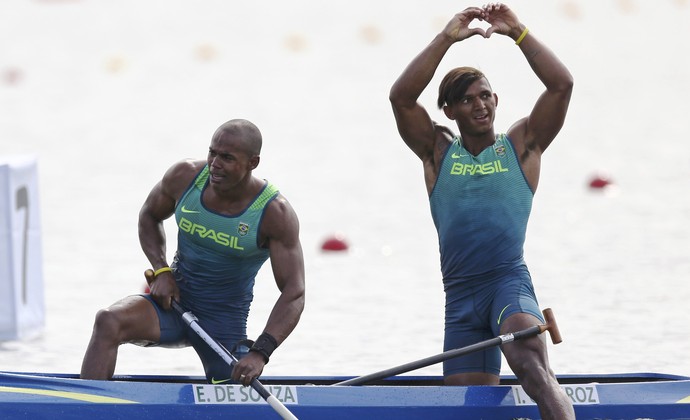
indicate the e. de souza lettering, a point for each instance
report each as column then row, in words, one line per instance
column 237, row 394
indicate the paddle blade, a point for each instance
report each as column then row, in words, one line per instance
column 551, row 326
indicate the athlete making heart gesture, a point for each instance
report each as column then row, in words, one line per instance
column 480, row 185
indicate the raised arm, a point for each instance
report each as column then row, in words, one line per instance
column 414, row 124
column 536, row 131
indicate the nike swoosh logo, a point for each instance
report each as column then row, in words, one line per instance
column 185, row 210
column 215, row 381
column 455, row 156
column 501, row 314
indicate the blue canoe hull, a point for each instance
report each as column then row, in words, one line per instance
column 60, row 396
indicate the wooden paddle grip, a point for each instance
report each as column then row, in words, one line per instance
column 149, row 274
column 551, row 326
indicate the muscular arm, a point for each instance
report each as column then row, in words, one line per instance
column 287, row 263
column 548, row 114
column 159, row 206
column 420, row 133
column 280, row 231
column 414, row 123
column 535, row 132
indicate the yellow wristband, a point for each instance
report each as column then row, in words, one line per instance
column 161, row 270
column 522, row 36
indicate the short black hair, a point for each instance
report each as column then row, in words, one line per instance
column 454, row 85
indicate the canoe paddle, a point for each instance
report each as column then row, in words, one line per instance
column 550, row 326
column 193, row 322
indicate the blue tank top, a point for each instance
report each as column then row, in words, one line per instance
column 217, row 259
column 480, row 206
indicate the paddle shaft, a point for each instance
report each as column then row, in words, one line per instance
column 190, row 319
column 193, row 322
column 450, row 354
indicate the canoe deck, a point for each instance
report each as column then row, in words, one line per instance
column 64, row 396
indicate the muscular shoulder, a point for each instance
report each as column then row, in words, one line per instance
column 280, row 210
column 178, row 177
column 280, row 221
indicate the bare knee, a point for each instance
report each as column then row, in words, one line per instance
column 130, row 320
column 529, row 362
column 536, row 378
column 107, row 326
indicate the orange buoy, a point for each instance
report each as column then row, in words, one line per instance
column 334, row 243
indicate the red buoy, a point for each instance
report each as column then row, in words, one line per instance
column 599, row 181
column 334, row 243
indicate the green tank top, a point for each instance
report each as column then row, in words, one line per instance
column 218, row 256
column 480, row 206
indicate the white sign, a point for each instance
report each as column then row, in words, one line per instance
column 582, row 394
column 238, row 394
column 22, row 312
